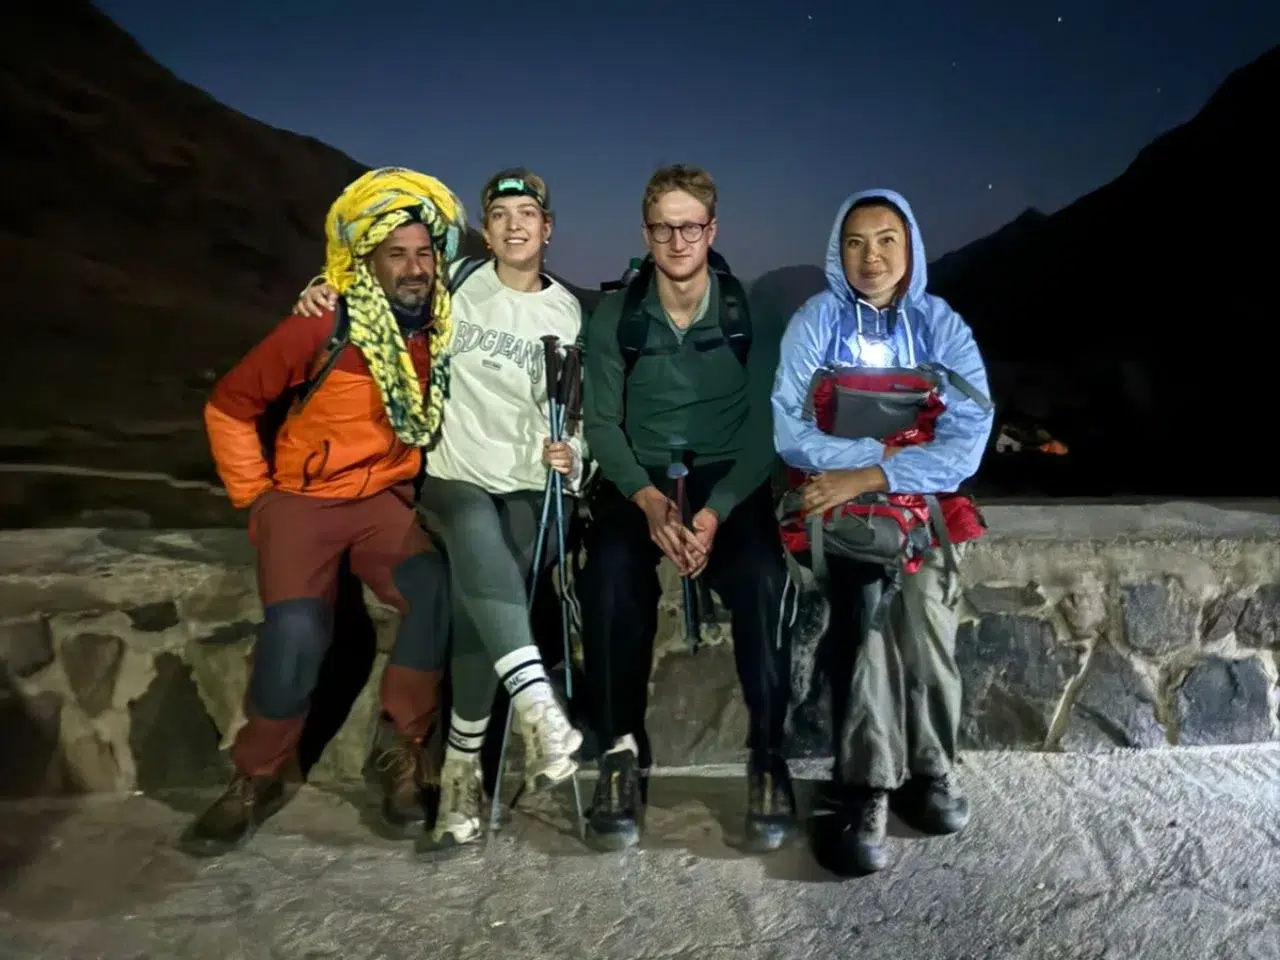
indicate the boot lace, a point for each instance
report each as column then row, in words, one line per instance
column 463, row 791
column 549, row 729
column 399, row 762
column 616, row 788
column 874, row 814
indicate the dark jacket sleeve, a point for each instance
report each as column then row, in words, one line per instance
column 756, row 463
column 602, row 401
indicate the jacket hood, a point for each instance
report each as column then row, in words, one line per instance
column 836, row 279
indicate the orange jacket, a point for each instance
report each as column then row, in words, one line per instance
column 340, row 444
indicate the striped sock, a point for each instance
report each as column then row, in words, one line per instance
column 466, row 737
column 524, row 677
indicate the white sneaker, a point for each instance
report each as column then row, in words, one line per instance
column 549, row 744
column 461, row 800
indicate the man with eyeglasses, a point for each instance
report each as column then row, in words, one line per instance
column 678, row 378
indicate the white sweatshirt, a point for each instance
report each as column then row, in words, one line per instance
column 496, row 418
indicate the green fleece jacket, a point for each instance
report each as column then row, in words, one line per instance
column 703, row 397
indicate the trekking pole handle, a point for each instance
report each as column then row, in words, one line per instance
column 569, row 389
column 551, row 363
column 551, row 371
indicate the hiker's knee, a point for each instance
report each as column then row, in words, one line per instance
column 287, row 657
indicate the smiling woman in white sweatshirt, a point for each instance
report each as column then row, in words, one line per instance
column 483, row 494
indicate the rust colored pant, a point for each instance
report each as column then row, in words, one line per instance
column 301, row 541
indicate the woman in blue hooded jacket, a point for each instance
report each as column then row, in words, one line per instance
column 899, row 733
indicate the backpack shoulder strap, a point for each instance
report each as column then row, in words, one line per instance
column 460, row 270
column 327, row 357
column 735, row 318
column 966, row 388
column 633, row 325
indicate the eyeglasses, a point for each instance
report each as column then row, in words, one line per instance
column 663, row 232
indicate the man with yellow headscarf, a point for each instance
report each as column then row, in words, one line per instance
column 320, row 431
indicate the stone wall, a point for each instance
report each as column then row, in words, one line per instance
column 125, row 652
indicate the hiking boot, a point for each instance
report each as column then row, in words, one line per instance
column 400, row 768
column 231, row 820
column 461, row 800
column 933, row 805
column 549, row 745
column 856, row 846
column 613, row 817
column 771, row 803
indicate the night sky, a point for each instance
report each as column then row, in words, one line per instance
column 974, row 109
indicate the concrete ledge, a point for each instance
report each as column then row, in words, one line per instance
column 125, row 652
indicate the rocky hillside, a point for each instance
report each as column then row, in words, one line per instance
column 148, row 233
column 1130, row 320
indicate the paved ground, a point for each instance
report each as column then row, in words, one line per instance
column 1160, row 854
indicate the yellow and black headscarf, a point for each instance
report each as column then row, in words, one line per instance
column 366, row 213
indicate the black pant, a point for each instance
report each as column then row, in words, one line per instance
column 619, row 591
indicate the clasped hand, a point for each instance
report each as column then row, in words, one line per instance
column 558, row 456
column 689, row 549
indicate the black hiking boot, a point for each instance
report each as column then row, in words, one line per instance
column 933, row 805
column 613, row 817
column 771, row 803
column 853, row 844
column 231, row 820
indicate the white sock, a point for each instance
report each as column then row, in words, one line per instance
column 625, row 743
column 524, row 677
column 466, row 737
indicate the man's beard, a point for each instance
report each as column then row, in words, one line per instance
column 411, row 301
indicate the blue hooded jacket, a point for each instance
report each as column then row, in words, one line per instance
column 920, row 329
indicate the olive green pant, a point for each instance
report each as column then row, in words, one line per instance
column 903, row 709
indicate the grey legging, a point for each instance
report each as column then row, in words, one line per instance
column 489, row 540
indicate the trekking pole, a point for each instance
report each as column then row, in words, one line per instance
column 551, row 371
column 678, row 470
column 569, row 372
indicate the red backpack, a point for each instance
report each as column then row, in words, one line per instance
column 897, row 531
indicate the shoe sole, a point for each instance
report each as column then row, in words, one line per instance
column 926, row 825
column 769, row 837
column 401, row 831
column 446, row 847
column 206, row 847
column 557, row 772
column 614, row 840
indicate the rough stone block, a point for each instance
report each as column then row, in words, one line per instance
column 154, row 617
column 221, row 674
column 987, row 598
column 1221, row 616
column 1014, row 672
column 1113, row 707
column 696, row 711
column 1159, row 618
column 1259, row 624
column 92, row 766
column 25, row 646
column 239, row 632
column 173, row 740
column 1084, row 607
column 1225, row 701
column 91, row 662
column 31, row 762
